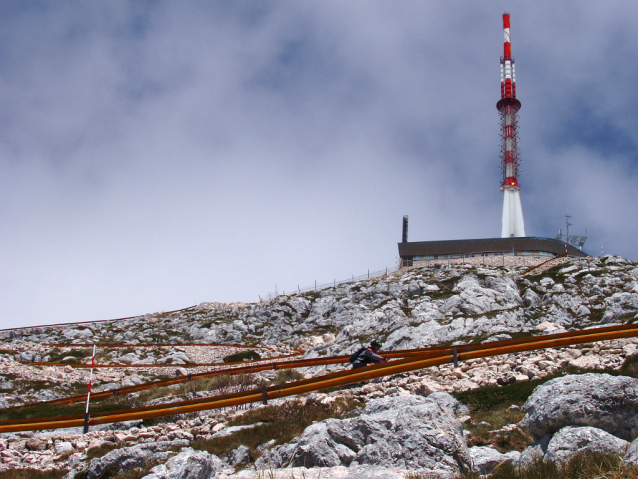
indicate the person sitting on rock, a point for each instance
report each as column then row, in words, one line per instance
column 369, row 356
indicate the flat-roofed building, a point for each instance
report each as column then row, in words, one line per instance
column 514, row 251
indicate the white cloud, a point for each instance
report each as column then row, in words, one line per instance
column 157, row 155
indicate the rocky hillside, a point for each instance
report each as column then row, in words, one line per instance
column 408, row 309
column 404, row 310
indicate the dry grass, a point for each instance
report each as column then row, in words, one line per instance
column 32, row 474
column 287, row 375
column 279, row 422
column 579, row 467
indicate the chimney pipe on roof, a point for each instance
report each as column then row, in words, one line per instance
column 405, row 229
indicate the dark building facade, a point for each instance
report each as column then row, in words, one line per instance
column 488, row 250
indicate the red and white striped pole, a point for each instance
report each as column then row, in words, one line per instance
column 88, row 394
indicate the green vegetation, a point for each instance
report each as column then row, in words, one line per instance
column 312, row 296
column 445, row 290
column 48, row 410
column 630, row 366
column 32, row 474
column 326, row 328
column 56, row 355
column 491, row 410
column 553, row 273
column 242, row 356
column 101, row 450
column 287, row 375
column 280, row 422
column 219, row 384
column 579, row 467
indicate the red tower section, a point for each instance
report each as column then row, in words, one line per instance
column 508, row 107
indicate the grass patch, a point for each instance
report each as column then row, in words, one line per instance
column 579, row 467
column 101, row 450
column 492, row 405
column 47, row 410
column 630, row 366
column 219, row 384
column 445, row 290
column 553, row 273
column 287, row 375
column 56, row 355
column 517, row 393
column 32, row 474
column 280, row 422
column 312, row 296
column 326, row 328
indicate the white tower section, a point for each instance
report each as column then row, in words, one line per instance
column 508, row 106
column 512, row 223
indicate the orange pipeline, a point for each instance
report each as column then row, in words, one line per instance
column 355, row 376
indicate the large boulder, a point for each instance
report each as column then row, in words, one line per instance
column 533, row 453
column 479, row 297
column 188, row 464
column 338, row 472
column 410, row 432
column 127, row 458
column 603, row 401
column 570, row 441
column 631, row 456
column 29, row 357
column 485, row 458
column 238, row 456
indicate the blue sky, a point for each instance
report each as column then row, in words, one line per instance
column 155, row 155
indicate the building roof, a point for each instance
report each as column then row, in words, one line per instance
column 489, row 245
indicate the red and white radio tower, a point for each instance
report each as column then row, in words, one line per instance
column 508, row 106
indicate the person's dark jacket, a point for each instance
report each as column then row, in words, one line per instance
column 367, row 356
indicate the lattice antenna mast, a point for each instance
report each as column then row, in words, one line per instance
column 508, row 106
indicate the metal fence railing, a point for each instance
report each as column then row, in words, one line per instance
column 334, row 283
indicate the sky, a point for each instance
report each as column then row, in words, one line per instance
column 157, row 154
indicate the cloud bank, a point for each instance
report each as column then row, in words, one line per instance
column 154, row 155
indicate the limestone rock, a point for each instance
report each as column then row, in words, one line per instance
column 128, row 458
column 607, row 402
column 485, row 458
column 63, row 447
column 37, row 444
column 239, row 456
column 631, row 456
column 449, row 402
column 533, row 452
column 570, row 441
column 188, row 464
column 404, row 431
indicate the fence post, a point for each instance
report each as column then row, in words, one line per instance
column 88, row 394
column 455, row 358
column 264, row 394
